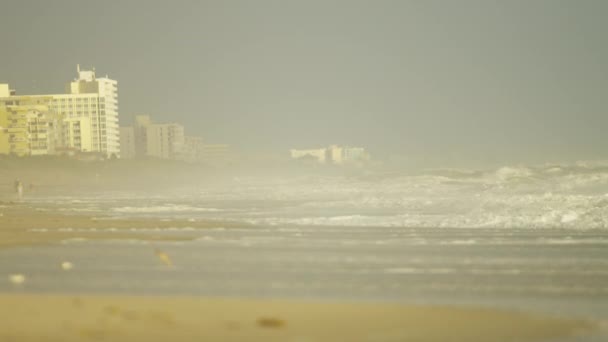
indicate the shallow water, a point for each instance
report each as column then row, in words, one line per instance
column 560, row 272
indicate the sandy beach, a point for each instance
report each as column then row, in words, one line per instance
column 41, row 317
column 118, row 318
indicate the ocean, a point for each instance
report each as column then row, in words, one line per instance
column 533, row 239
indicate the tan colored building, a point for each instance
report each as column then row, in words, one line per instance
column 165, row 141
column 193, row 149
column 155, row 140
column 27, row 126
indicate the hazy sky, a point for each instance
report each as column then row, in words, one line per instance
column 467, row 80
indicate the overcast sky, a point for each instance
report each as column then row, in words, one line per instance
column 496, row 81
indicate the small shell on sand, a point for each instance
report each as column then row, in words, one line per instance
column 66, row 265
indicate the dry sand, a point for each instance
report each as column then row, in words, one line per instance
column 115, row 318
column 21, row 225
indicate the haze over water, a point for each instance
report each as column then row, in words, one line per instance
column 487, row 184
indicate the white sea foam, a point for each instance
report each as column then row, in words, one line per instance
column 563, row 196
column 164, row 209
column 542, row 196
column 74, row 240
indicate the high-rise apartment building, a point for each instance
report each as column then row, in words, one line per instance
column 93, row 102
column 89, row 111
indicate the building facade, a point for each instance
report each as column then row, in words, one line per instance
column 318, row 154
column 148, row 139
column 334, row 154
column 165, row 141
column 127, row 143
column 89, row 111
column 28, row 127
column 193, row 149
column 154, row 140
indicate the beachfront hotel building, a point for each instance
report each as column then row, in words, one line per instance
column 88, row 112
column 27, row 125
column 92, row 103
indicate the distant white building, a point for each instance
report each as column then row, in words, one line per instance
column 168, row 141
column 95, row 100
column 354, row 155
column 156, row 140
column 165, row 141
column 333, row 154
column 319, row 154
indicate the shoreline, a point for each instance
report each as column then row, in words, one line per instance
column 105, row 317
column 22, row 225
column 33, row 317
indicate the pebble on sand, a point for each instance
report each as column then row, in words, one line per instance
column 66, row 265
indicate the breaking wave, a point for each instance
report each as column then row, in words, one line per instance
column 548, row 196
column 541, row 196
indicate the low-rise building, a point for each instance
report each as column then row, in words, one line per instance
column 153, row 140
column 318, row 154
column 334, row 154
column 215, row 153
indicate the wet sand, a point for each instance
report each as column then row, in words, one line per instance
column 118, row 318
column 21, row 225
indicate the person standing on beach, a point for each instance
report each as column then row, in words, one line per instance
column 19, row 189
